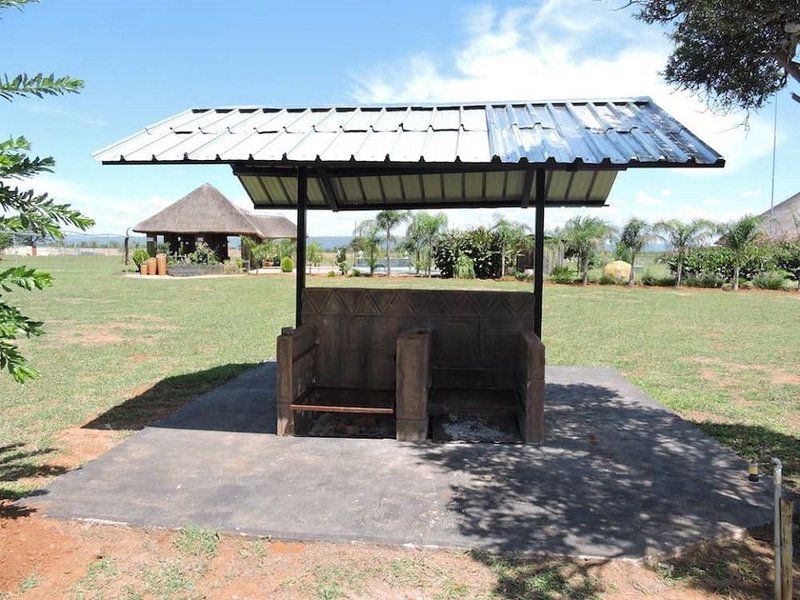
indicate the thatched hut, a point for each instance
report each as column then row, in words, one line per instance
column 206, row 215
column 782, row 222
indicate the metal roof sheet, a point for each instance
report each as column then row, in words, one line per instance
column 619, row 134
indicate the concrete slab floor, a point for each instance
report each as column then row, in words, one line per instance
column 619, row 476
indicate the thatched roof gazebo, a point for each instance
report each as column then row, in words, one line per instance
column 206, row 215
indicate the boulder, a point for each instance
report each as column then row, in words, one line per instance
column 618, row 269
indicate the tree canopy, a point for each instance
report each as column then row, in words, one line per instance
column 730, row 52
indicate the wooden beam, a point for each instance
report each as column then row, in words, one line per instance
column 328, row 190
column 538, row 254
column 300, row 273
column 527, row 183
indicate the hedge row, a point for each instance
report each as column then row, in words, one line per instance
column 763, row 264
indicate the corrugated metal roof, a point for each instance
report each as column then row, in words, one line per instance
column 424, row 156
column 621, row 133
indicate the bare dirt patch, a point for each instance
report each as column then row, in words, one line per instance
column 85, row 334
column 777, row 376
column 45, row 558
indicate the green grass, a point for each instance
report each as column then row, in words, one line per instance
column 122, row 351
column 193, row 541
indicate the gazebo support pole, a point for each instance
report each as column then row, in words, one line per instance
column 300, row 272
column 538, row 254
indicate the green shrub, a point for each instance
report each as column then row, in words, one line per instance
column 482, row 246
column 465, row 267
column 343, row 267
column 649, row 279
column 521, row 276
column 705, row 280
column 771, row 280
column 203, row 255
column 287, row 264
column 708, row 264
column 354, row 273
column 608, row 280
column 162, row 248
column 139, row 256
column 331, row 273
column 562, row 274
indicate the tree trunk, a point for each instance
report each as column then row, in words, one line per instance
column 388, row 260
column 585, row 272
column 632, row 275
column 680, row 273
column 502, row 261
column 416, row 260
column 735, row 277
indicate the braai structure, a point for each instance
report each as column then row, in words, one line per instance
column 421, row 156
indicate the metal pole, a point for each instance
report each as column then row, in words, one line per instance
column 777, row 530
column 538, row 254
column 772, row 187
column 300, row 272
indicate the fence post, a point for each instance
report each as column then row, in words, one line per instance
column 786, row 574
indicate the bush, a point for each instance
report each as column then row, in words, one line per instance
column 608, row 280
column 705, row 280
column 354, row 273
column 562, row 274
column 522, row 276
column 480, row 245
column 343, row 267
column 287, row 264
column 331, row 273
column 139, row 256
column 717, row 262
column 771, row 280
column 465, row 267
column 203, row 255
column 649, row 279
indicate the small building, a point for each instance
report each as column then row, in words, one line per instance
column 782, row 222
column 206, row 215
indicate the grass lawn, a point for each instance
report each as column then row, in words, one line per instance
column 123, row 351
column 119, row 352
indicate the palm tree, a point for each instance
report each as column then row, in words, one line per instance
column 368, row 234
column 634, row 236
column 582, row 237
column 680, row 236
column 388, row 220
column 513, row 237
column 740, row 236
column 431, row 226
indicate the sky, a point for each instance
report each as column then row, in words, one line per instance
column 146, row 60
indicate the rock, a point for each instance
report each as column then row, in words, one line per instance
column 618, row 269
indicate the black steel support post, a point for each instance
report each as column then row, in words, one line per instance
column 300, row 272
column 538, row 254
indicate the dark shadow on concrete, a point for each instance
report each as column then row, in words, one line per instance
column 159, row 402
column 619, row 475
column 17, row 463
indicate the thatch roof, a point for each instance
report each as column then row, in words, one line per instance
column 785, row 220
column 206, row 210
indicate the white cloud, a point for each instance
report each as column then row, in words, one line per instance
column 572, row 49
column 112, row 214
column 563, row 49
column 643, row 199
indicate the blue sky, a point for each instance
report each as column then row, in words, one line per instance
column 145, row 60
